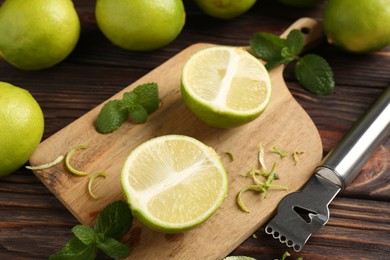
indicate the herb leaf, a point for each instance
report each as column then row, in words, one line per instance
column 84, row 233
column 268, row 47
column 75, row 250
column 315, row 74
column 295, row 42
column 136, row 105
column 114, row 220
column 112, row 115
column 147, row 95
column 312, row 71
column 138, row 114
column 130, row 99
column 112, row 223
column 112, row 247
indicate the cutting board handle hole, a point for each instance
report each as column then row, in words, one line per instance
column 305, row 30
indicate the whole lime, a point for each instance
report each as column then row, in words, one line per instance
column 140, row 25
column 21, row 127
column 37, row 34
column 357, row 26
column 301, row 3
column 225, row 9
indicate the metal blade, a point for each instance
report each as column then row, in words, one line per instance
column 302, row 213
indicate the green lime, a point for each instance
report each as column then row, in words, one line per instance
column 174, row 183
column 225, row 9
column 140, row 25
column 21, row 127
column 225, row 86
column 357, row 26
column 37, row 34
column 301, row 3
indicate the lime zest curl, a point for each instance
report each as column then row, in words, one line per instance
column 230, row 156
column 278, row 151
column 261, row 157
column 91, row 181
column 69, row 156
column 46, row 165
column 258, row 185
column 295, row 156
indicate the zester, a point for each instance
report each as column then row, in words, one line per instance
column 302, row 213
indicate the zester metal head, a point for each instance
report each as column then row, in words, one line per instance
column 302, row 213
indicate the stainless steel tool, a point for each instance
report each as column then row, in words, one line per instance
column 302, row 213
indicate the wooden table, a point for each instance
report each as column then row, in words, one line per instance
column 34, row 224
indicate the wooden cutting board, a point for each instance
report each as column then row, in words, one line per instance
column 283, row 124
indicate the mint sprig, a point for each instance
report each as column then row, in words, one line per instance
column 311, row 70
column 135, row 105
column 111, row 224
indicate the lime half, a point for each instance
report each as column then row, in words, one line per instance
column 225, row 86
column 174, row 183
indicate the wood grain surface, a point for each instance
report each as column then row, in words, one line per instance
column 289, row 128
column 35, row 224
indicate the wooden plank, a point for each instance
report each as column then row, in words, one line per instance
column 34, row 224
column 357, row 229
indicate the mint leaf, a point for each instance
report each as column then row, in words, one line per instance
column 293, row 46
column 112, row 223
column 112, row 247
column 112, row 115
column 138, row 114
column 287, row 56
column 312, row 71
column 114, row 220
column 136, row 105
column 130, row 99
column 295, row 42
column 84, row 233
column 148, row 96
column 75, row 250
column 268, row 47
column 315, row 74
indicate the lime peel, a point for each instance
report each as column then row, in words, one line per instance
column 68, row 157
column 261, row 157
column 46, row 165
column 230, row 155
column 151, row 185
column 239, row 195
column 90, row 183
column 295, row 156
column 225, row 86
column 259, row 186
column 278, row 151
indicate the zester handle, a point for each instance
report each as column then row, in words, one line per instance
column 346, row 160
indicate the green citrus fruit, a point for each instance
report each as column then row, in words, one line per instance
column 37, row 34
column 357, row 26
column 301, row 3
column 225, row 9
column 21, row 127
column 174, row 183
column 225, row 86
column 140, row 25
